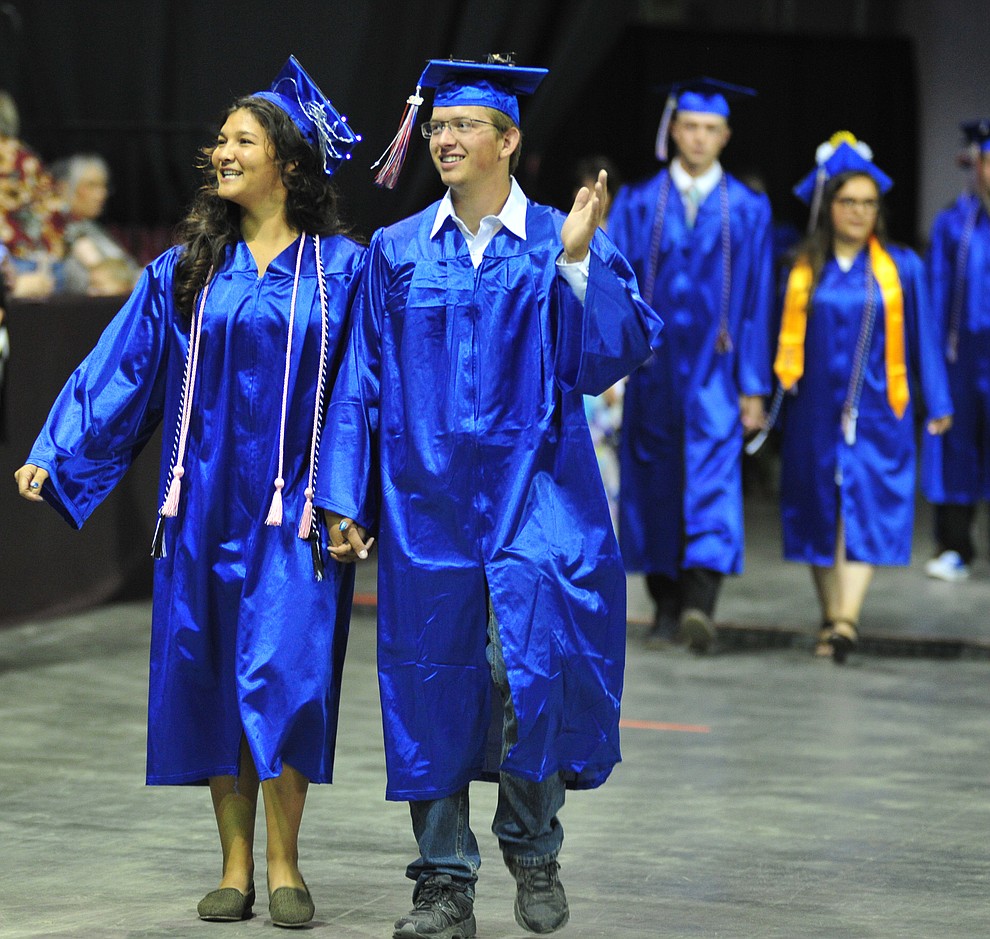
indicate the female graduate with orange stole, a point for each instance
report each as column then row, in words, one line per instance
column 855, row 324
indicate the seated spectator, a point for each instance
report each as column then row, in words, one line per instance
column 83, row 182
column 30, row 221
column 111, row 277
column 4, row 343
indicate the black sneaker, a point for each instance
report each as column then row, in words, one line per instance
column 662, row 633
column 442, row 910
column 541, row 905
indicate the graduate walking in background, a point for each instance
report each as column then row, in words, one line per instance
column 955, row 467
column 701, row 245
column 855, row 327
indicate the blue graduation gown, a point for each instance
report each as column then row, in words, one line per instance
column 955, row 467
column 244, row 639
column 681, row 445
column 870, row 482
column 457, row 429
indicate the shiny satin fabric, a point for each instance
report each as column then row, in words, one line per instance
column 870, row 482
column 955, row 467
column 244, row 639
column 457, row 430
column 681, row 445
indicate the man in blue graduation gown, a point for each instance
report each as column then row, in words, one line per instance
column 956, row 466
column 457, row 430
column 701, row 244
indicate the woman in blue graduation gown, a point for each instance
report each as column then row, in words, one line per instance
column 230, row 340
column 855, row 326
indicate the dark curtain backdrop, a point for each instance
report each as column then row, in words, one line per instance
column 144, row 82
column 808, row 88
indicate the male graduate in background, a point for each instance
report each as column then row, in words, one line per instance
column 955, row 467
column 457, row 431
column 701, row 245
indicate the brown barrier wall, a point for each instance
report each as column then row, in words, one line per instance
column 47, row 567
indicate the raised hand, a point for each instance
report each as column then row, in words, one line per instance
column 584, row 218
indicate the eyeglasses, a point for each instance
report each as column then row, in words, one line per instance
column 868, row 205
column 459, row 127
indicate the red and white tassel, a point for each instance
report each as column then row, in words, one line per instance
column 275, row 511
column 395, row 154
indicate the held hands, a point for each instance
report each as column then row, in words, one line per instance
column 30, row 479
column 347, row 543
column 939, row 425
column 583, row 220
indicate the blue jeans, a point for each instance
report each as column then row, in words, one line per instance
column 525, row 823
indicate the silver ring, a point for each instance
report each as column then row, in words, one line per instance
column 342, row 526
column 35, row 485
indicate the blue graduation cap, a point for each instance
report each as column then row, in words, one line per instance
column 489, row 85
column 313, row 113
column 841, row 153
column 977, row 134
column 702, row 95
column 496, row 84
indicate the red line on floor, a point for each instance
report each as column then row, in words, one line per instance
column 662, row 725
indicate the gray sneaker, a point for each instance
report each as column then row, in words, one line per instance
column 441, row 910
column 697, row 630
column 948, row 566
column 541, row 905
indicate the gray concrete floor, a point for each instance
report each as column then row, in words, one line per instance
column 762, row 793
column 773, row 602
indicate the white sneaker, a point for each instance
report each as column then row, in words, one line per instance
column 947, row 566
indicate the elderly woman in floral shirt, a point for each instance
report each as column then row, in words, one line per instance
column 31, row 223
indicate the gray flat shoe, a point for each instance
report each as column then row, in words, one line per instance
column 291, row 907
column 226, row 905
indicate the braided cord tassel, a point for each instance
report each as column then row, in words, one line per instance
column 723, row 341
column 275, row 510
column 170, row 506
column 959, row 284
column 759, row 438
column 850, row 409
column 656, row 236
column 306, row 523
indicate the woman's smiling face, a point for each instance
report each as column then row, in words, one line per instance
column 244, row 160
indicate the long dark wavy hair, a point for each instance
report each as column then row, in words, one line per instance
column 213, row 224
column 816, row 248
